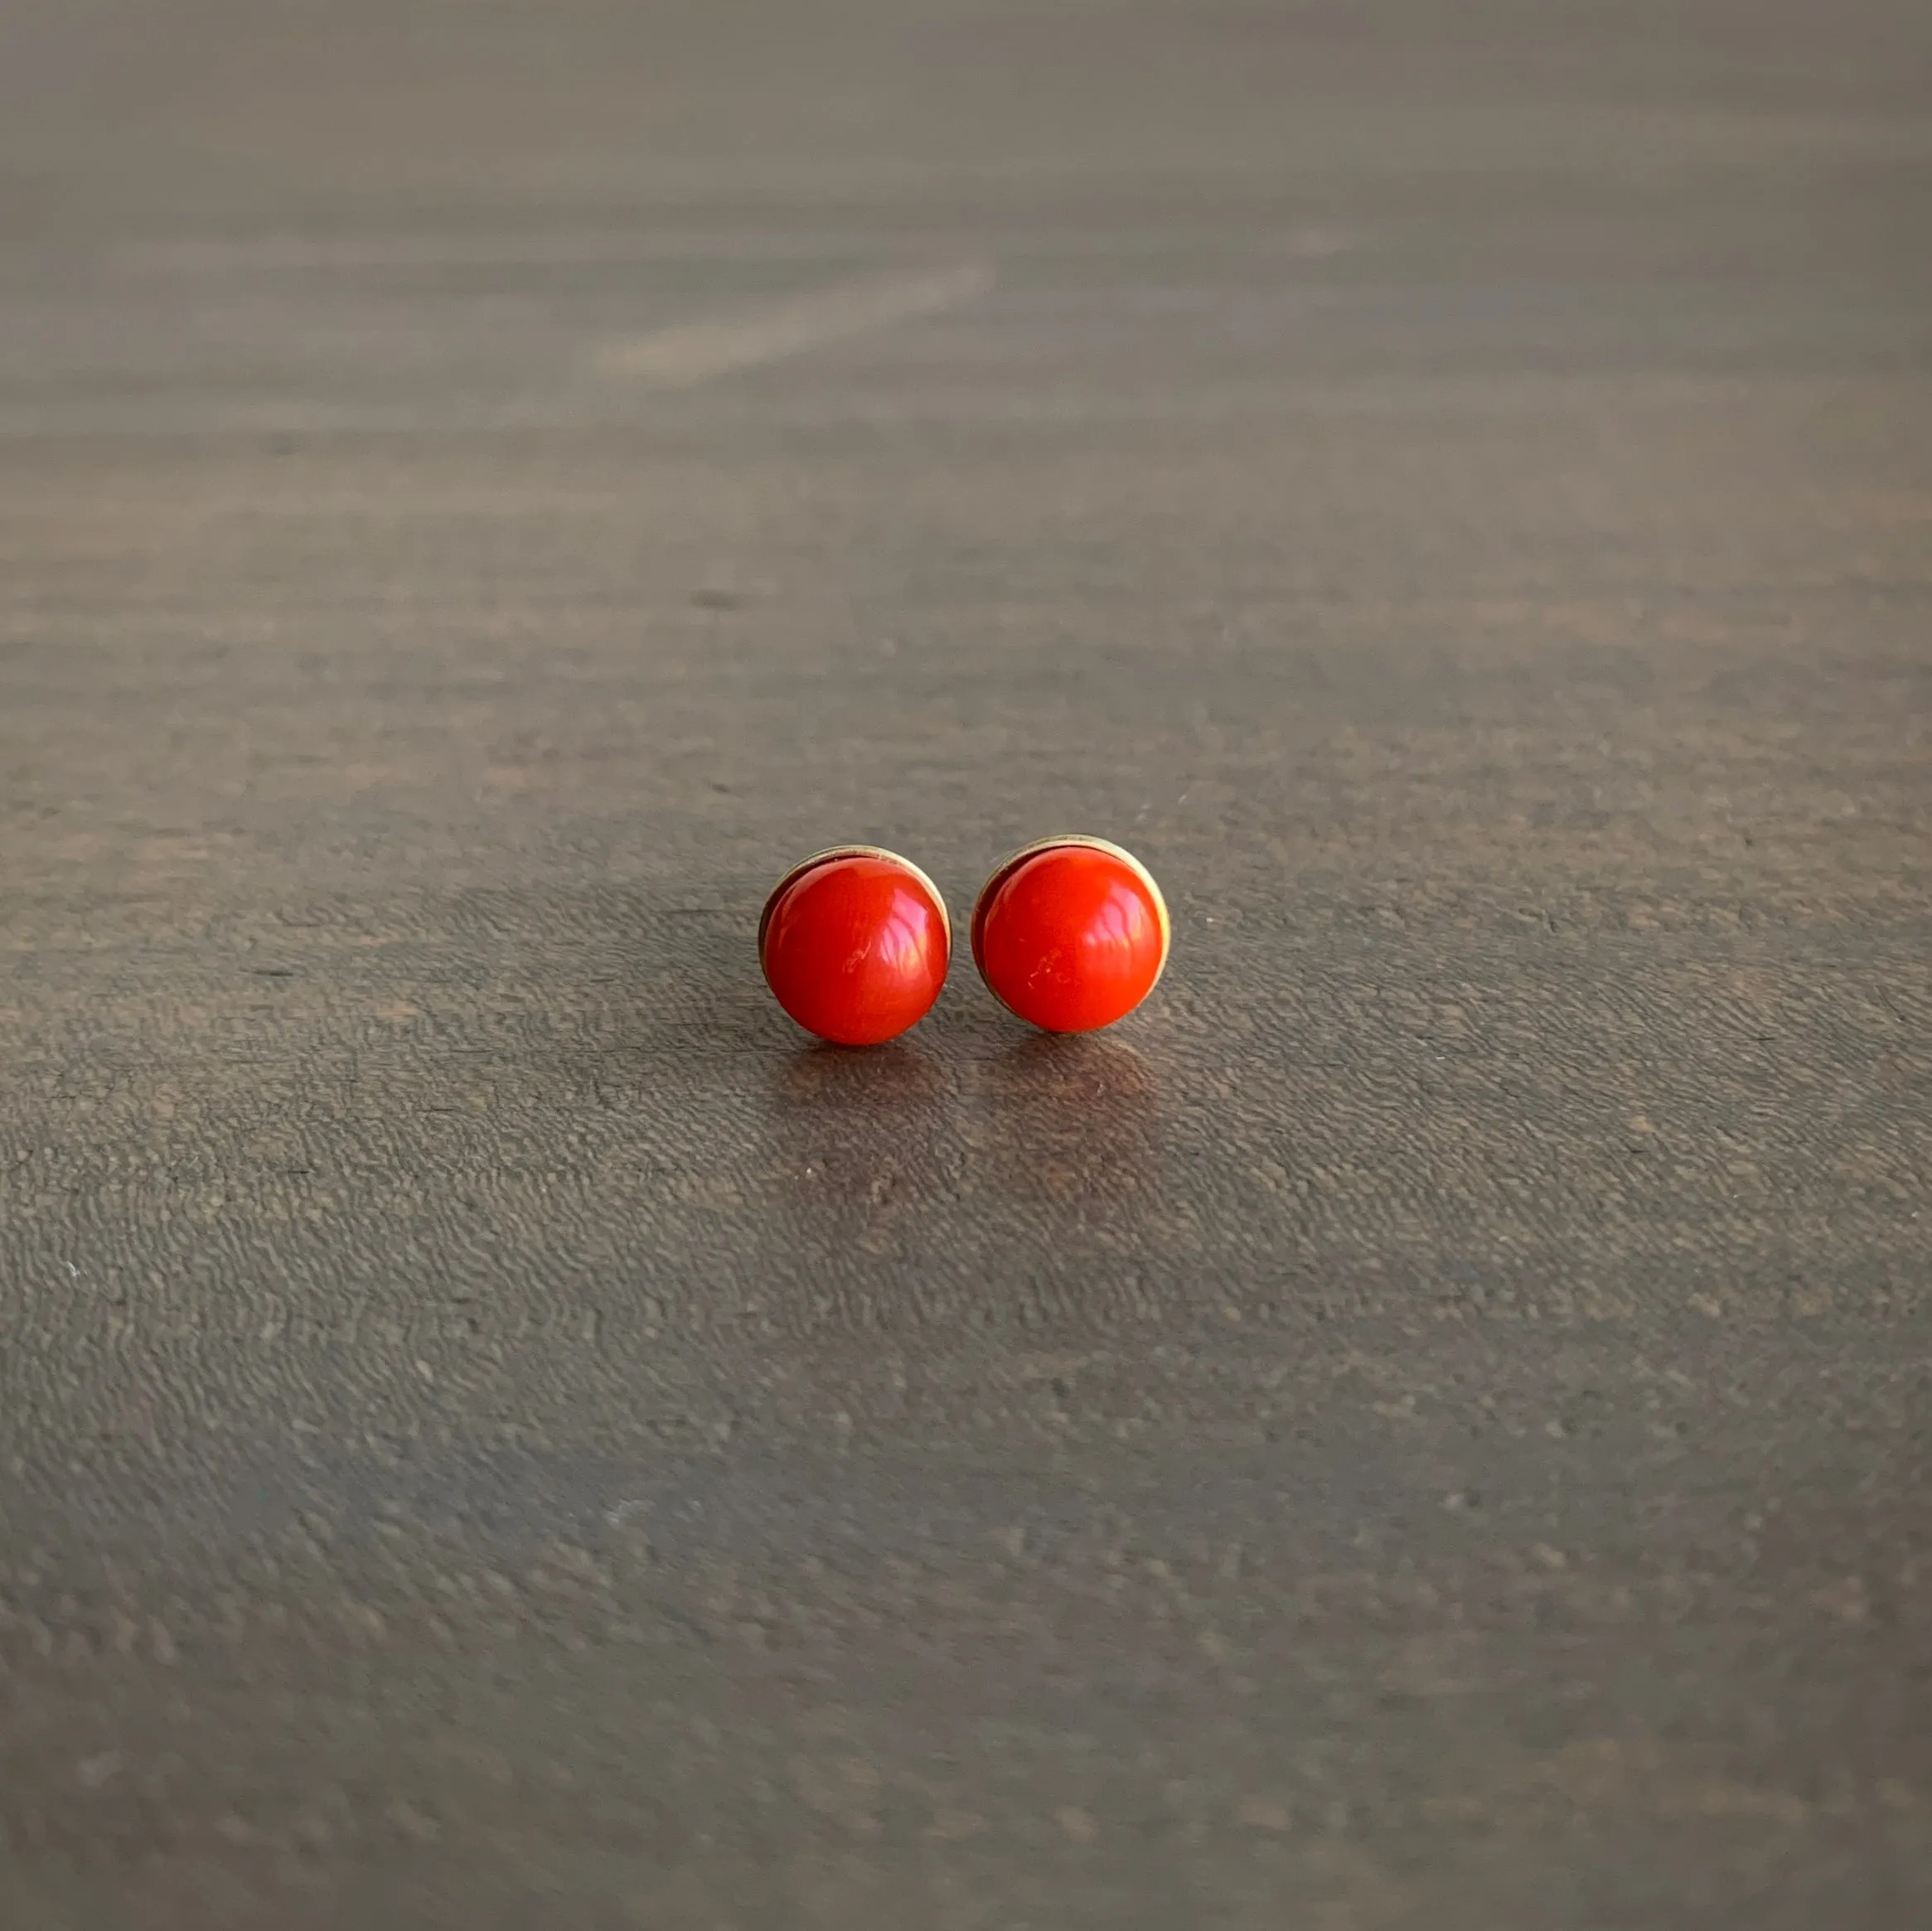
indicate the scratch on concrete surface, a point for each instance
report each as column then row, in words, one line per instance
column 696, row 352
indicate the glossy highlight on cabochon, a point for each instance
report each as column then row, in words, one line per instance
column 854, row 944
column 1071, row 934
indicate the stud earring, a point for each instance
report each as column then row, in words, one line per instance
column 1071, row 933
column 854, row 944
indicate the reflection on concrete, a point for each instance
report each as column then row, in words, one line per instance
column 1073, row 1119
column 862, row 1126
column 1056, row 1118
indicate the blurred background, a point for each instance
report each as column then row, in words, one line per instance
column 1426, row 1425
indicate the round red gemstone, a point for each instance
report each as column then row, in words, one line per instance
column 1071, row 934
column 855, row 943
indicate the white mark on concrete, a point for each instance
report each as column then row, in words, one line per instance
column 336, row 255
column 699, row 351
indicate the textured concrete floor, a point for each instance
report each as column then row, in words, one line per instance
column 1429, row 1425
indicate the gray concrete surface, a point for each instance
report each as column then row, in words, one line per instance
column 1426, row 1427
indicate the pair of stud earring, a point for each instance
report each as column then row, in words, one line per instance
column 1069, row 934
